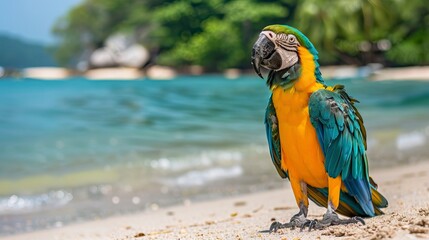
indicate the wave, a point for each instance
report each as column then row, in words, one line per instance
column 19, row 204
column 410, row 140
column 205, row 159
column 202, row 177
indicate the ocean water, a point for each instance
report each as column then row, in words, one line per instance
column 76, row 150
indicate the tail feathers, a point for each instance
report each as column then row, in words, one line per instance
column 348, row 205
column 372, row 182
column 360, row 190
column 378, row 200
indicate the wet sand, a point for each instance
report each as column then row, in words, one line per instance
column 243, row 217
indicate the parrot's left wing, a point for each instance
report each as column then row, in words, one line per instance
column 273, row 137
column 342, row 138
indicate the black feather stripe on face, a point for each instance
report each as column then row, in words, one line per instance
column 288, row 42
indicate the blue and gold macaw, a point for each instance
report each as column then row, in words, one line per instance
column 315, row 133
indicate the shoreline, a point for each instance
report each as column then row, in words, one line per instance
column 372, row 72
column 242, row 217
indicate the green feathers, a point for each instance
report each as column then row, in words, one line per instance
column 273, row 137
column 342, row 136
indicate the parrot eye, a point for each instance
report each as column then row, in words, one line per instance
column 291, row 38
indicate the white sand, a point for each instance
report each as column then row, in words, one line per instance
column 407, row 217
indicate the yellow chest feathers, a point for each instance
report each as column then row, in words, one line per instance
column 291, row 106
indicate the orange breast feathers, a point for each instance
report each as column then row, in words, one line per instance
column 302, row 155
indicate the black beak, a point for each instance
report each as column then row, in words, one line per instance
column 262, row 49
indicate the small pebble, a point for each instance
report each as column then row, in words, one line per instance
column 139, row 235
column 170, row 213
column 239, row 204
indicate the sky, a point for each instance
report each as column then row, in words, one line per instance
column 32, row 20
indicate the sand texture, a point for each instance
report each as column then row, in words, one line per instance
column 242, row 217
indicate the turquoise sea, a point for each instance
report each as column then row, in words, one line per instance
column 76, row 150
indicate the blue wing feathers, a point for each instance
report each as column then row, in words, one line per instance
column 363, row 197
column 342, row 136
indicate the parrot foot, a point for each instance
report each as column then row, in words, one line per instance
column 330, row 219
column 298, row 220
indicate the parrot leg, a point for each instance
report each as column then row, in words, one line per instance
column 299, row 189
column 330, row 218
column 298, row 220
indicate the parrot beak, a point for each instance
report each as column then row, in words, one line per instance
column 263, row 49
column 256, row 62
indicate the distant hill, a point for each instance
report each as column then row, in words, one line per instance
column 17, row 53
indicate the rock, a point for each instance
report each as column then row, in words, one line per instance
column 102, row 57
column 120, row 50
column 134, row 56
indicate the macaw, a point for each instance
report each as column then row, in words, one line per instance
column 315, row 133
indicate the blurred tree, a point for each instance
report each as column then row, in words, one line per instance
column 341, row 30
column 180, row 31
column 219, row 34
column 358, row 31
column 87, row 25
column 410, row 33
column 214, row 33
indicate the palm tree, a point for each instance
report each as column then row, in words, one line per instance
column 345, row 28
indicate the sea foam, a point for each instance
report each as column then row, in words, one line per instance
column 410, row 140
column 202, row 177
column 19, row 204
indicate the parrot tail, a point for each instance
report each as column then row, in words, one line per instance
column 348, row 205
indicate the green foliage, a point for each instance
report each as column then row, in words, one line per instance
column 219, row 34
column 203, row 48
column 410, row 33
column 86, row 26
column 214, row 33
column 338, row 27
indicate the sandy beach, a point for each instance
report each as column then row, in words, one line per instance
column 243, row 217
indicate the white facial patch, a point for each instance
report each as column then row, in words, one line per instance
column 289, row 58
column 282, row 42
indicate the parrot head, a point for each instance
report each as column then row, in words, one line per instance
column 282, row 50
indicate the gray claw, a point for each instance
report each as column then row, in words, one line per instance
column 358, row 219
column 306, row 224
column 331, row 219
column 296, row 221
column 312, row 225
column 275, row 226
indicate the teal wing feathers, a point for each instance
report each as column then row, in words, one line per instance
column 342, row 137
column 273, row 137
